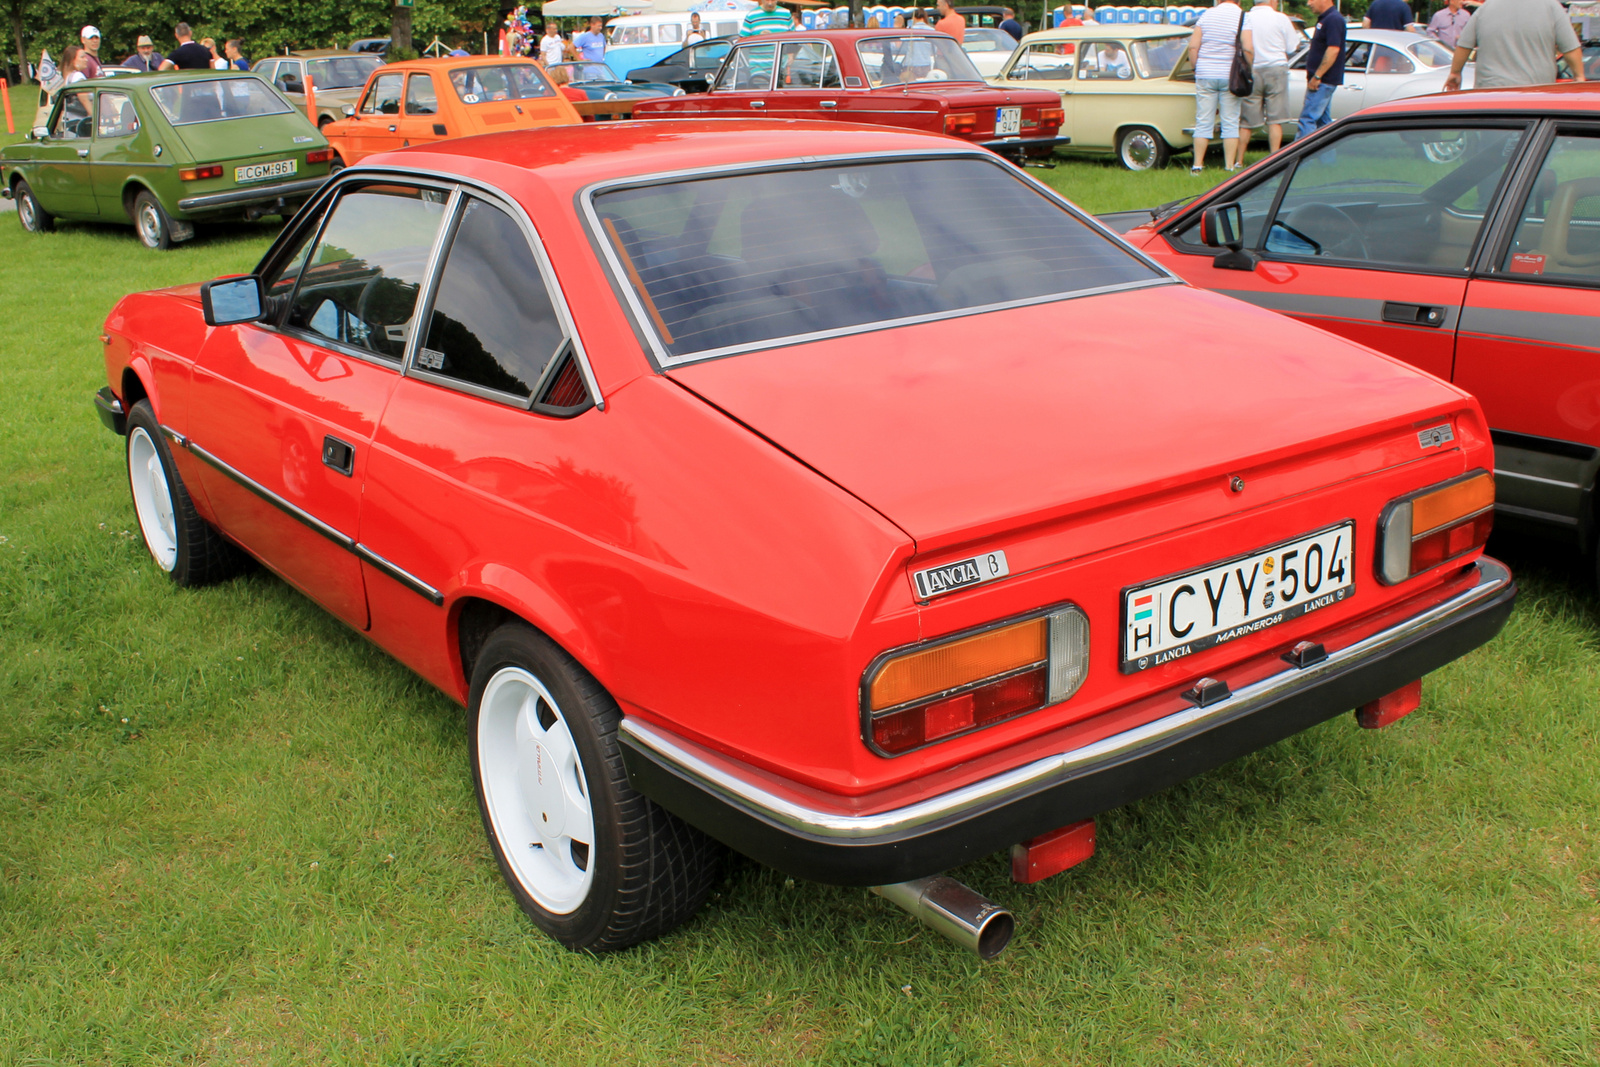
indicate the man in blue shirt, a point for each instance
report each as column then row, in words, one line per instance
column 591, row 44
column 1324, row 67
column 1387, row 15
column 1011, row 25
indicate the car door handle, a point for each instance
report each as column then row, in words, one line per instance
column 339, row 455
column 1413, row 314
column 829, row 103
column 758, row 103
column 83, row 153
column 391, row 129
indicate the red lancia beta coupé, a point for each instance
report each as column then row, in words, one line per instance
column 801, row 489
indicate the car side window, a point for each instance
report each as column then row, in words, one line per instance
column 288, row 79
column 117, row 117
column 493, row 324
column 1406, row 198
column 808, row 65
column 1254, row 203
column 1104, row 60
column 360, row 283
column 1386, row 60
column 421, row 98
column 384, row 96
column 1045, row 63
column 73, row 121
column 1558, row 235
column 750, row 68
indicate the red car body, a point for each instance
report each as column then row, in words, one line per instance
column 960, row 103
column 1497, row 291
column 734, row 547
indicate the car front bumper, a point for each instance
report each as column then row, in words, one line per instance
column 109, row 408
column 256, row 194
column 967, row 823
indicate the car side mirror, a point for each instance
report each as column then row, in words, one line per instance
column 39, row 133
column 1222, row 226
column 349, row 110
column 231, row 300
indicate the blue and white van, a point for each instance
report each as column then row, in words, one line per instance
column 635, row 41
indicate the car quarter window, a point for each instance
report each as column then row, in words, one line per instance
column 1156, row 58
column 725, row 261
column 1104, row 60
column 1411, row 198
column 384, row 96
column 116, row 116
column 359, row 286
column 807, row 65
column 72, row 120
column 1386, row 60
column 509, row 81
column 421, row 99
column 750, row 68
column 1045, row 62
column 1557, row 238
column 493, row 324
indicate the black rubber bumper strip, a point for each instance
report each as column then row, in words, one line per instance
column 1017, row 806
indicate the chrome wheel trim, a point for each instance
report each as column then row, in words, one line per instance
column 152, row 498
column 535, row 791
column 1443, row 151
column 1139, row 151
column 26, row 212
column 150, row 224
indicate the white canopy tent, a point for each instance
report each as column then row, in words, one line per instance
column 581, row 8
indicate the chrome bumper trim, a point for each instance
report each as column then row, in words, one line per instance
column 253, row 195
column 1042, row 773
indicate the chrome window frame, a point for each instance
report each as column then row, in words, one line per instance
column 750, row 44
column 371, row 92
column 833, row 56
column 663, row 360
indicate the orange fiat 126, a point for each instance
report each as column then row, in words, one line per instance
column 426, row 100
column 800, row 487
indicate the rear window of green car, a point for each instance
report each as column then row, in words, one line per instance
column 214, row 99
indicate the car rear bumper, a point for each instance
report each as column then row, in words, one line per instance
column 256, row 194
column 975, row 820
column 1009, row 146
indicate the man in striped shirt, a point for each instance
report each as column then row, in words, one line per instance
column 765, row 19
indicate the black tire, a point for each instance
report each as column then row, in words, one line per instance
column 34, row 218
column 150, row 221
column 643, row 873
column 182, row 543
column 1142, row 148
column 335, row 165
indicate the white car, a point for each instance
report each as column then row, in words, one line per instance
column 988, row 48
column 1382, row 65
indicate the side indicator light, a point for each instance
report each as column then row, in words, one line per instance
column 193, row 174
column 961, row 122
column 320, row 155
column 1436, row 525
column 1390, row 707
column 1049, row 854
column 974, row 681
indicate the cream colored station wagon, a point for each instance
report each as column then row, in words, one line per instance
column 1125, row 89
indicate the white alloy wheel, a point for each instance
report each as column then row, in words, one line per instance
column 152, row 498
column 535, row 790
column 149, row 224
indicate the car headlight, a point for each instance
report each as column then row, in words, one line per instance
column 936, row 690
column 1435, row 525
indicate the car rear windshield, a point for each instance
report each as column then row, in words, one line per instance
column 917, row 57
column 213, row 99
column 510, row 81
column 342, row 72
column 725, row 262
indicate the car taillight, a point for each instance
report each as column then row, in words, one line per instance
column 926, row 694
column 961, row 122
column 1428, row 528
column 1052, row 116
column 321, row 155
column 193, row 174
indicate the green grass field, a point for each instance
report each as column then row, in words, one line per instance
column 233, row 832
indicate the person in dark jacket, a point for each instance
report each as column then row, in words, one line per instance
column 1011, row 25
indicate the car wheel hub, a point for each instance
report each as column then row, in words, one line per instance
column 1140, row 151
column 25, row 210
column 152, row 499
column 149, row 224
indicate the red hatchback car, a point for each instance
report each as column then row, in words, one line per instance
column 799, row 489
column 1460, row 233
column 917, row 81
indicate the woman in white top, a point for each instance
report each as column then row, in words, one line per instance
column 74, row 63
column 1211, row 51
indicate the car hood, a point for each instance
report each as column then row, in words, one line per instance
column 967, row 427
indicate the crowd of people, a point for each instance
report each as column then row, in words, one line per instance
column 1512, row 42
column 82, row 61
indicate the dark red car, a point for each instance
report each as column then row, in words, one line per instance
column 918, row 81
column 835, row 492
column 1460, row 233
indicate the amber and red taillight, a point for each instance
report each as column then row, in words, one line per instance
column 1051, row 116
column 938, row 690
column 319, row 155
column 1434, row 526
column 194, row 174
column 961, row 123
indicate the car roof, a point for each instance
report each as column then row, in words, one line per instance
column 165, row 77
column 1564, row 98
column 1131, row 31
column 455, row 62
column 318, row 53
column 1401, row 39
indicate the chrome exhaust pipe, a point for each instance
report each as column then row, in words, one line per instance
column 959, row 912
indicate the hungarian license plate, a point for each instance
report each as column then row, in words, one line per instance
column 255, row 172
column 1174, row 617
column 1007, row 121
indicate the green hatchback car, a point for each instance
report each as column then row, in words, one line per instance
column 164, row 151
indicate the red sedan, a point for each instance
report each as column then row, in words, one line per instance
column 801, row 490
column 917, row 81
column 1460, row 233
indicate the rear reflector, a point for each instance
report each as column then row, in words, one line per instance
column 1050, row 854
column 1436, row 525
column 960, row 122
column 1390, row 707
column 191, row 174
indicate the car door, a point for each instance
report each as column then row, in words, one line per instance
column 1529, row 342
column 64, row 185
column 1388, row 71
column 377, row 127
column 808, row 85
column 1350, row 97
column 284, row 410
column 121, row 150
column 419, row 120
column 1099, row 99
column 460, row 463
column 1368, row 236
column 745, row 83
